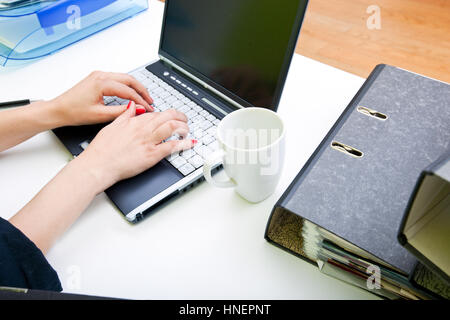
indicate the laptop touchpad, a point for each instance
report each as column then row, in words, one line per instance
column 128, row 194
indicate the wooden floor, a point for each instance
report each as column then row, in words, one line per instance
column 414, row 35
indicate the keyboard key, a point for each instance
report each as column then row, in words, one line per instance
column 178, row 162
column 186, row 100
column 164, row 94
column 177, row 104
column 114, row 103
column 171, row 89
column 199, row 133
column 196, row 161
column 84, row 144
column 150, row 85
column 138, row 76
column 108, row 100
column 198, row 118
column 194, row 127
column 203, row 151
column 204, row 113
column 216, row 122
column 211, row 118
column 206, row 125
column 187, row 154
column 158, row 90
column 173, row 156
column 184, row 109
column 145, row 72
column 197, row 108
column 174, row 137
column 121, row 101
column 164, row 85
column 164, row 107
column 214, row 146
column 171, row 99
column 207, row 139
column 186, row 169
column 191, row 113
column 212, row 131
column 157, row 101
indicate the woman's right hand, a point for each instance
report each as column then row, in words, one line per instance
column 132, row 144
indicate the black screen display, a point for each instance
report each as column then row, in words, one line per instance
column 241, row 45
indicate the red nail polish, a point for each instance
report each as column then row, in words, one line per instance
column 140, row 111
column 194, row 141
column 129, row 105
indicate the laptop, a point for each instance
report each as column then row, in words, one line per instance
column 215, row 57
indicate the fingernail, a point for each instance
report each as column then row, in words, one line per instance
column 152, row 108
column 194, row 141
column 140, row 111
column 129, row 105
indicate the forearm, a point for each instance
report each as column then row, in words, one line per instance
column 20, row 124
column 58, row 204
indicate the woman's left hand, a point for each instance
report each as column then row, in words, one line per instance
column 83, row 104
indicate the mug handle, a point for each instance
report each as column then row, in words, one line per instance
column 209, row 164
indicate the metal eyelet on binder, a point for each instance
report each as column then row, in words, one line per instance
column 347, row 149
column 372, row 113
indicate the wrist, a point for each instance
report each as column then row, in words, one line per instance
column 95, row 174
column 48, row 114
column 56, row 109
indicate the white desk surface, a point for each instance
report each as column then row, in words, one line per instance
column 208, row 243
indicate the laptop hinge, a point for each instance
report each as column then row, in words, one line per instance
column 202, row 83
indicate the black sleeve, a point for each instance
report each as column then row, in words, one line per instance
column 22, row 264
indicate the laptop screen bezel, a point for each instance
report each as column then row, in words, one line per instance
column 230, row 95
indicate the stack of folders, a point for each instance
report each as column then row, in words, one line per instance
column 344, row 210
column 32, row 29
column 341, row 263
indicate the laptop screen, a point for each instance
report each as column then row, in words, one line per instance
column 240, row 47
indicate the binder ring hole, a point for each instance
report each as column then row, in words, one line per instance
column 347, row 149
column 372, row 113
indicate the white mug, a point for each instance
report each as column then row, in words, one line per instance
column 251, row 147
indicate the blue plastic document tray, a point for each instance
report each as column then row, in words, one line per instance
column 37, row 30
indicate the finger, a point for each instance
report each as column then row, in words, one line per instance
column 155, row 120
column 129, row 112
column 114, row 88
column 131, row 81
column 109, row 113
column 168, row 129
column 169, row 147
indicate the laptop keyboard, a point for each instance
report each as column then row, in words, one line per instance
column 202, row 124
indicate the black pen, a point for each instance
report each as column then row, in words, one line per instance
column 16, row 103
